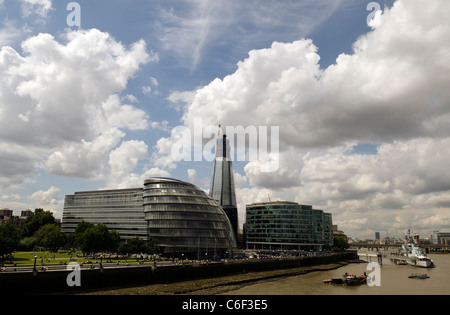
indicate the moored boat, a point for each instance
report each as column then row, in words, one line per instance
column 416, row 276
column 413, row 254
column 348, row 279
column 401, row 262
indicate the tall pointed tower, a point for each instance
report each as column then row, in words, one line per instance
column 222, row 184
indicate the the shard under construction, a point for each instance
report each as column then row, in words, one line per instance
column 222, row 184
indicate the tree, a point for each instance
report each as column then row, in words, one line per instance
column 36, row 221
column 340, row 242
column 83, row 226
column 153, row 246
column 136, row 246
column 50, row 237
column 27, row 243
column 79, row 233
column 97, row 238
column 9, row 239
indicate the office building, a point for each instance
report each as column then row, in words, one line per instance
column 439, row 238
column 120, row 210
column 7, row 216
column 284, row 225
column 222, row 185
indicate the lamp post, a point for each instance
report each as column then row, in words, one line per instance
column 34, row 268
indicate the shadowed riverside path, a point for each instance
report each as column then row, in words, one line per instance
column 55, row 282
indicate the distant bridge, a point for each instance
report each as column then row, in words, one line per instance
column 385, row 247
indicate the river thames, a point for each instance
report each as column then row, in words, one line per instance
column 394, row 280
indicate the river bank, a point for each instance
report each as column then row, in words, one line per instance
column 218, row 285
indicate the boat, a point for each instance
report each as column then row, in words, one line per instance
column 354, row 279
column 334, row 281
column 413, row 254
column 348, row 279
column 416, row 276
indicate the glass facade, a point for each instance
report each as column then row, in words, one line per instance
column 185, row 220
column 287, row 225
column 222, row 184
column 120, row 210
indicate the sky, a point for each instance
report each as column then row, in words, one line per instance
column 91, row 94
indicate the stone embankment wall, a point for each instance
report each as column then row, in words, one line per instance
column 93, row 279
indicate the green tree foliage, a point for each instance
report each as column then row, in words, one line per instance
column 153, row 247
column 78, row 236
column 137, row 246
column 96, row 238
column 50, row 237
column 36, row 221
column 9, row 239
column 340, row 243
column 27, row 243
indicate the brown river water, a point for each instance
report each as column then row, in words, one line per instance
column 393, row 280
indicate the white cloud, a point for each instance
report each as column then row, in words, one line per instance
column 9, row 32
column 179, row 99
column 59, row 103
column 48, row 200
column 197, row 26
column 49, row 196
column 146, row 89
column 85, row 159
column 397, row 68
column 11, row 197
column 392, row 91
column 122, row 162
column 162, row 153
column 39, row 7
column 203, row 183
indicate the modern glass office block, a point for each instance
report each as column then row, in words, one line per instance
column 120, row 210
column 284, row 225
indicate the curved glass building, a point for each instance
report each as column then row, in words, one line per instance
column 185, row 220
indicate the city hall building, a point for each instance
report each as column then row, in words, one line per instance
column 284, row 225
column 181, row 217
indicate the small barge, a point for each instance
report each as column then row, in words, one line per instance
column 415, row 276
column 348, row 279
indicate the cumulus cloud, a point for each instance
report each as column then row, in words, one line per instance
column 9, row 32
column 59, row 103
column 397, row 68
column 39, row 7
column 391, row 91
column 123, row 160
column 48, row 199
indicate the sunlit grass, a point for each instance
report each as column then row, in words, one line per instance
column 50, row 258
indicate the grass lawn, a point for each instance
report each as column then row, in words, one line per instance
column 27, row 258
column 49, row 258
